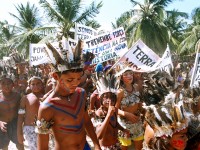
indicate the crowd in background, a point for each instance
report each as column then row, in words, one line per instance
column 117, row 123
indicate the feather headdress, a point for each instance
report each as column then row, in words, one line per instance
column 166, row 119
column 105, row 83
column 67, row 58
column 123, row 67
column 17, row 57
column 157, row 85
column 7, row 72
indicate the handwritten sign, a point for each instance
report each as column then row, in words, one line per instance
column 107, row 46
column 196, row 72
column 165, row 63
column 83, row 32
column 141, row 56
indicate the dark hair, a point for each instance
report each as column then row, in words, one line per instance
column 122, row 82
column 113, row 97
column 193, row 143
column 159, row 143
column 7, row 79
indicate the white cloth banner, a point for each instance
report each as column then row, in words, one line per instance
column 196, row 72
column 141, row 56
column 38, row 56
column 83, row 32
column 165, row 63
column 107, row 46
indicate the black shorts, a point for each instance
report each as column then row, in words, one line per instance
column 10, row 135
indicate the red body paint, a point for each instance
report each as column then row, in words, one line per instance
column 178, row 143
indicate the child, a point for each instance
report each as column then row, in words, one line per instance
column 105, row 120
column 26, row 115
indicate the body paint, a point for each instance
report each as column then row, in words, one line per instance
column 62, row 107
column 178, row 143
column 75, row 129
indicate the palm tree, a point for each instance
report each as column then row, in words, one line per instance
column 7, row 32
column 93, row 24
column 146, row 22
column 192, row 35
column 65, row 13
column 150, row 26
column 29, row 27
column 176, row 23
column 126, row 21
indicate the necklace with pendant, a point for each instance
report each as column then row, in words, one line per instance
column 65, row 97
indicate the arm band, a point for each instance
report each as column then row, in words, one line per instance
column 21, row 111
column 43, row 127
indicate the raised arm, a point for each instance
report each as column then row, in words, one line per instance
column 102, row 129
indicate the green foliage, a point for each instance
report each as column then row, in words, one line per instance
column 31, row 29
column 191, row 36
column 65, row 13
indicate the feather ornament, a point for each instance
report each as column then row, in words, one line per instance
column 106, row 82
column 65, row 58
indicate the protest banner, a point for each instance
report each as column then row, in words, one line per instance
column 141, row 56
column 37, row 55
column 72, row 42
column 107, row 46
column 165, row 63
column 83, row 32
column 196, row 72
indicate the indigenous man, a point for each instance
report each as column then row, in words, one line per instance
column 21, row 74
column 26, row 115
column 64, row 108
column 9, row 103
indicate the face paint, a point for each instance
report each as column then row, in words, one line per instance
column 178, row 143
column 64, row 86
column 179, row 140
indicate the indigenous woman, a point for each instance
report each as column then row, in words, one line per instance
column 130, row 106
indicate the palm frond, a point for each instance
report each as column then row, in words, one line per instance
column 52, row 12
column 89, row 12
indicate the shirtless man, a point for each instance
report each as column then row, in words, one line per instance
column 29, row 106
column 9, row 103
column 64, row 109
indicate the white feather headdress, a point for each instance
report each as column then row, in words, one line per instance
column 67, row 58
column 123, row 67
column 166, row 118
column 105, row 82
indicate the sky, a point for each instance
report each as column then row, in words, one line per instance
column 110, row 11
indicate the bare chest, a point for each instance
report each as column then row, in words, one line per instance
column 8, row 104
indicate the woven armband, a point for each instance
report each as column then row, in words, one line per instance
column 43, row 127
column 21, row 111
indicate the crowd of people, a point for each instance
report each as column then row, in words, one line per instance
column 58, row 104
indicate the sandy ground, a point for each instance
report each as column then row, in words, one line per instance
column 12, row 146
